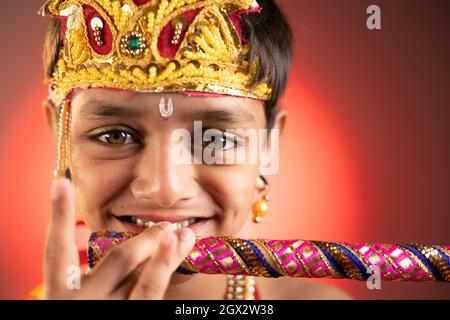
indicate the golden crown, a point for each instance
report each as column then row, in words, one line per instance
column 155, row 46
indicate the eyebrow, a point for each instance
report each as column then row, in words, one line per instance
column 224, row 116
column 112, row 111
column 100, row 111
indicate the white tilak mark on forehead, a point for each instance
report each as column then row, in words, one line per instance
column 166, row 112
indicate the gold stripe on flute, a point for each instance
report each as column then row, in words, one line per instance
column 436, row 259
column 343, row 260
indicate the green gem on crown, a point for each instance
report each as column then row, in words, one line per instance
column 134, row 43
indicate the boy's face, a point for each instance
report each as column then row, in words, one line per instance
column 122, row 160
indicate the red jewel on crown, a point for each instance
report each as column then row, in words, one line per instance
column 99, row 32
column 140, row 2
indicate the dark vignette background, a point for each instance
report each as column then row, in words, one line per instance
column 366, row 154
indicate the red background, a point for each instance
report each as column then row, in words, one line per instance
column 365, row 155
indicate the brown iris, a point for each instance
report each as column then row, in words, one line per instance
column 116, row 137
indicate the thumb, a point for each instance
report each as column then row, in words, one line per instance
column 61, row 250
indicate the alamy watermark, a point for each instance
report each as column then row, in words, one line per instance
column 227, row 147
column 374, row 280
column 373, row 21
column 73, row 281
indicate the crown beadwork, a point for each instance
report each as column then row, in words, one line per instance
column 154, row 46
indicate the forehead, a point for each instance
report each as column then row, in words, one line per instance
column 92, row 103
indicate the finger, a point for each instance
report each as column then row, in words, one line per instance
column 124, row 289
column 124, row 259
column 155, row 276
column 61, row 251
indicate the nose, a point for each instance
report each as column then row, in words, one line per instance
column 161, row 180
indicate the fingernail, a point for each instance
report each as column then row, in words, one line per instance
column 167, row 226
column 186, row 234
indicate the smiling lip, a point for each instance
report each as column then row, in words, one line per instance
column 155, row 218
column 138, row 223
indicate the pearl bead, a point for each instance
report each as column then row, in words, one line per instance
column 260, row 208
column 96, row 23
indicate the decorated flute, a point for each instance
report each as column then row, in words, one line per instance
column 300, row 258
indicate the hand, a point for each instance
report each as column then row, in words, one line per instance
column 140, row 268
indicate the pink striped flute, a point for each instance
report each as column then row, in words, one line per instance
column 300, row 258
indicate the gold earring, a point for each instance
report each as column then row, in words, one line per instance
column 260, row 208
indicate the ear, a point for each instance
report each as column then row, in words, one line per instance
column 269, row 154
column 280, row 120
column 51, row 115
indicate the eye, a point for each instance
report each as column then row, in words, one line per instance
column 116, row 137
column 219, row 140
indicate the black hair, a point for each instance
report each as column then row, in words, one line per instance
column 270, row 37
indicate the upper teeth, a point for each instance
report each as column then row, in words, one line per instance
column 178, row 225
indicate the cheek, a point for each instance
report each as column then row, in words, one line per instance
column 97, row 183
column 232, row 189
